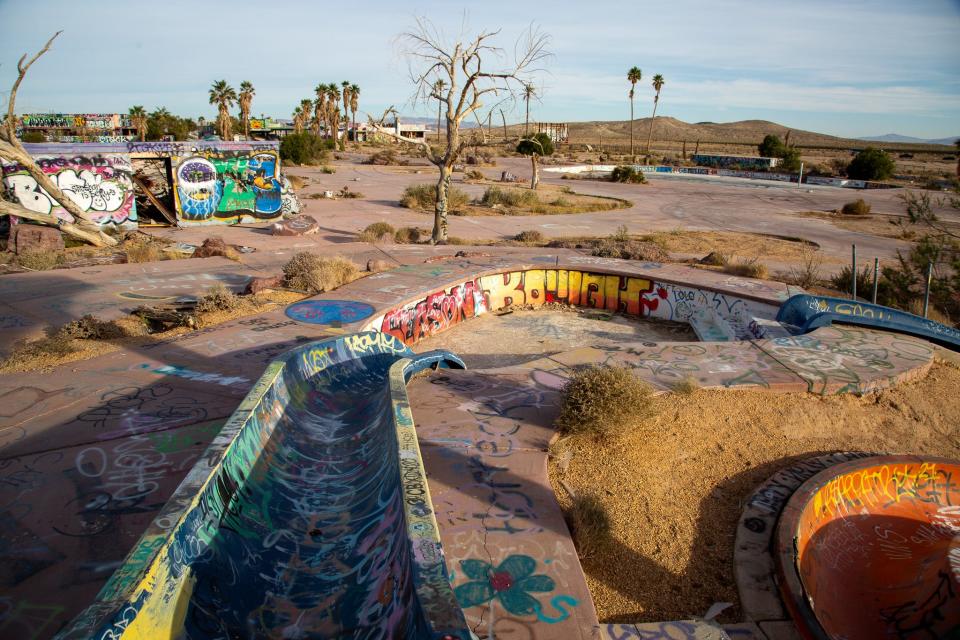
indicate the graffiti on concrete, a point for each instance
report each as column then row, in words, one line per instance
column 229, row 186
column 332, row 312
column 99, row 184
column 871, row 542
column 513, row 583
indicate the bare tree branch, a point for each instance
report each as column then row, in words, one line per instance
column 12, row 149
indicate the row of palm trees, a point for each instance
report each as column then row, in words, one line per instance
column 634, row 75
column 324, row 110
column 224, row 97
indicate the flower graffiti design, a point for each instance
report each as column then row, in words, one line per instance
column 511, row 582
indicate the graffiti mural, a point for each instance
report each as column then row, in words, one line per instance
column 229, row 186
column 627, row 294
column 99, row 183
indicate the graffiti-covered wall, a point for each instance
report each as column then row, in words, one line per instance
column 213, row 182
column 98, row 179
column 631, row 295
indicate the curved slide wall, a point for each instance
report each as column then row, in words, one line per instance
column 810, row 312
column 315, row 520
column 870, row 549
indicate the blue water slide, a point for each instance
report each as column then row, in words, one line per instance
column 806, row 312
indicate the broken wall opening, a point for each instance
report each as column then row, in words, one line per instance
column 153, row 190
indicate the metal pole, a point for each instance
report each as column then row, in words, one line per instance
column 926, row 292
column 800, row 176
column 853, row 275
column 876, row 279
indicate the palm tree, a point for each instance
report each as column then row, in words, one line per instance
column 658, row 83
column 345, row 92
column 354, row 103
column 245, row 98
column 138, row 118
column 633, row 76
column 224, row 96
column 161, row 116
column 305, row 106
column 528, row 92
column 298, row 120
column 319, row 106
column 333, row 106
column 438, row 88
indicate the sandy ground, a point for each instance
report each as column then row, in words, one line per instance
column 675, row 489
column 520, row 336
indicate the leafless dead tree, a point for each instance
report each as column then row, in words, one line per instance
column 471, row 69
column 84, row 227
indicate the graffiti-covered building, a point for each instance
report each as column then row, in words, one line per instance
column 103, row 128
column 184, row 183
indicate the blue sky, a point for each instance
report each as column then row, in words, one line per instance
column 841, row 67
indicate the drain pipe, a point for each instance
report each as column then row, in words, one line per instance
column 853, row 275
column 926, row 292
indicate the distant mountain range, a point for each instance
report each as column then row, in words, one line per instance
column 896, row 137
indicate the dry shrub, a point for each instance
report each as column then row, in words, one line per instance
column 24, row 352
column 424, row 196
column 376, row 232
column 747, row 269
column 297, row 182
column 473, row 174
column 589, row 523
column 858, row 207
column 458, row 240
column 603, row 402
column 530, row 236
column 807, row 273
column 316, row 274
column 407, row 235
column 715, row 259
column 385, row 157
column 218, row 298
column 915, row 307
column 629, row 250
column 509, row 197
column 89, row 328
column 327, row 169
column 686, row 386
column 40, row 260
column 142, row 252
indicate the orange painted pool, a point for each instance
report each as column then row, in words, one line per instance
column 870, row 549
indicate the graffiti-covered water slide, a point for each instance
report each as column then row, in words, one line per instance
column 807, row 313
column 314, row 520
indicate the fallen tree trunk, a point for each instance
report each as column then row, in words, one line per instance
column 94, row 236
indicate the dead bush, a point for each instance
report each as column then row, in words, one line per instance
column 25, row 352
column 407, row 235
column 715, row 259
column 858, row 207
column 747, row 269
column 89, row 328
column 316, row 274
column 376, row 232
column 589, row 523
column 629, row 250
column 297, row 182
column 530, row 236
column 473, row 174
column 424, row 196
column 603, row 402
column 807, row 273
column 40, row 260
column 686, row 386
column 385, row 157
column 218, row 298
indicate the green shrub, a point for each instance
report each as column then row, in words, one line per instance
column 509, row 197
column 424, row 196
column 871, row 164
column 407, row 235
column 537, row 144
column 32, row 136
column 530, row 236
column 858, row 207
column 376, row 232
column 304, row 148
column 603, row 402
column 626, row 173
column 841, row 281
